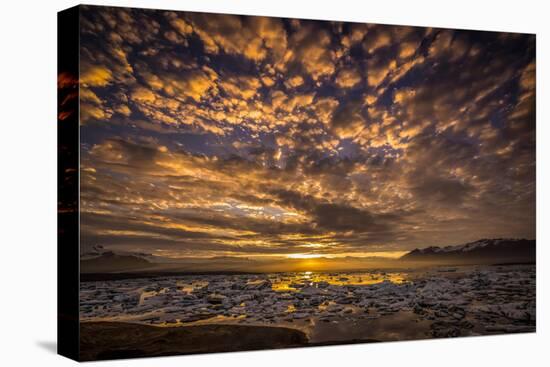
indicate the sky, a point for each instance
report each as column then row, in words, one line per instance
column 208, row 135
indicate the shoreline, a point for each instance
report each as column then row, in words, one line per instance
column 104, row 340
column 108, row 340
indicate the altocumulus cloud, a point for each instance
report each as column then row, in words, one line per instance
column 212, row 135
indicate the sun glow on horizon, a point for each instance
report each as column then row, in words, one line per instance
column 306, row 256
column 382, row 254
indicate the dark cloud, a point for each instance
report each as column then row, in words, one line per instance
column 343, row 218
column 440, row 190
column 348, row 120
column 332, row 216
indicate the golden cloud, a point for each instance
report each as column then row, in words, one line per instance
column 378, row 71
column 310, row 47
column 441, row 44
column 294, row 81
column 407, row 49
column 252, row 39
column 291, row 176
column 348, row 78
column 324, row 108
column 179, row 24
column 95, row 76
column 244, row 87
column 378, row 38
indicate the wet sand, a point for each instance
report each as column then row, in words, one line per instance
column 115, row 340
column 399, row 326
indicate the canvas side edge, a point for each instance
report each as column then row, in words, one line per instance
column 67, row 186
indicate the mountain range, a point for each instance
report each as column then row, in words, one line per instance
column 484, row 251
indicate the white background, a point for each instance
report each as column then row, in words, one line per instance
column 28, row 182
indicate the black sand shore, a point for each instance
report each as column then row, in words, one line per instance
column 115, row 340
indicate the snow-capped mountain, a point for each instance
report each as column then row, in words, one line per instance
column 90, row 252
column 497, row 250
column 95, row 251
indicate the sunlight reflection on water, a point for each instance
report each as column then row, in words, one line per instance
column 295, row 281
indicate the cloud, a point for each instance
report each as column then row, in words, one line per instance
column 527, row 80
column 343, row 218
column 95, row 76
column 348, row 120
column 407, row 49
column 123, row 109
column 92, row 107
column 294, row 81
column 378, row 69
column 348, row 78
column 356, row 35
column 244, row 87
column 325, row 108
column 205, row 135
column 379, row 37
column 142, row 94
column 272, row 32
column 253, row 38
column 441, row 44
column 447, row 44
column 299, row 101
column 440, row 190
column 310, row 47
column 268, row 81
column 195, row 85
column 179, row 24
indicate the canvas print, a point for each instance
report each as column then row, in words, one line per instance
column 233, row 183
